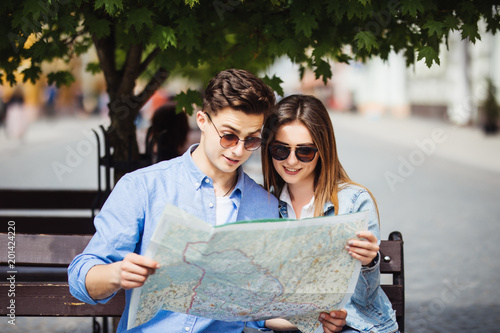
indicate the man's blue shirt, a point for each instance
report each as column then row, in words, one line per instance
column 129, row 216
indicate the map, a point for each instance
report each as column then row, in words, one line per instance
column 250, row 270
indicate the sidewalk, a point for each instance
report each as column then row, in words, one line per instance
column 54, row 153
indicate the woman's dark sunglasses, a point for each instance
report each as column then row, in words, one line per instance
column 231, row 140
column 303, row 154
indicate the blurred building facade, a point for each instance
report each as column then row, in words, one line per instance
column 453, row 91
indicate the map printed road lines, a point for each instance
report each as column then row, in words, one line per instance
column 250, row 270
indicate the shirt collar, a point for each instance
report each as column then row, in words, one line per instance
column 285, row 195
column 238, row 188
column 198, row 177
column 195, row 174
column 307, row 210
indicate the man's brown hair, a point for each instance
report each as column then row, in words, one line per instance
column 239, row 90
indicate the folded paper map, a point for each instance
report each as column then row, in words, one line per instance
column 250, row 270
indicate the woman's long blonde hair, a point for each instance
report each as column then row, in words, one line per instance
column 330, row 176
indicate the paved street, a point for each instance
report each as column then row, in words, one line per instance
column 437, row 184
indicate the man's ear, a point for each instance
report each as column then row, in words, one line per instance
column 201, row 120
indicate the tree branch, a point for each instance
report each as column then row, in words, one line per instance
column 148, row 60
column 105, row 48
column 130, row 69
column 156, row 81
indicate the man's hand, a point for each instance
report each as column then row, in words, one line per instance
column 333, row 321
column 135, row 269
column 364, row 250
column 104, row 280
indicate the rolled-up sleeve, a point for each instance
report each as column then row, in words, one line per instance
column 118, row 229
column 369, row 278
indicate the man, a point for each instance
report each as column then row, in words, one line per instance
column 206, row 181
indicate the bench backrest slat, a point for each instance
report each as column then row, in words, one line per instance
column 47, row 199
column 54, row 299
column 54, row 224
column 45, row 250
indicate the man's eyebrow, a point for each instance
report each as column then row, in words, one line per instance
column 238, row 132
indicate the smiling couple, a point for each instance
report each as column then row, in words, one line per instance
column 300, row 167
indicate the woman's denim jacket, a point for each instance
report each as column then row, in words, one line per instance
column 369, row 309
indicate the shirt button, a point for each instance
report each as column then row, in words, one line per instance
column 207, row 180
column 187, row 329
column 211, row 205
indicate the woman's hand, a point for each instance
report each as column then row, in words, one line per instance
column 333, row 321
column 365, row 249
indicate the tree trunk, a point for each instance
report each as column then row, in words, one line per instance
column 123, row 110
column 122, row 134
column 124, row 105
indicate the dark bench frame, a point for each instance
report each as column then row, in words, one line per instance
column 392, row 262
column 51, row 211
column 48, row 294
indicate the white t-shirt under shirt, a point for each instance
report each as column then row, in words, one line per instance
column 223, row 209
column 307, row 210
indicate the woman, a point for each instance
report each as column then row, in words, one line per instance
column 301, row 167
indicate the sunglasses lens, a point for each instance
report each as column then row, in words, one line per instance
column 228, row 140
column 305, row 154
column 252, row 143
column 279, row 152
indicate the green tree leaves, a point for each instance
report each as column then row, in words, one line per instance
column 305, row 23
column 366, row 40
column 275, row 83
column 412, row 7
column 185, row 101
column 139, row 18
column 248, row 34
column 110, row 6
column 434, row 28
column 163, row 37
column 430, row 55
column 60, row 78
column 98, row 27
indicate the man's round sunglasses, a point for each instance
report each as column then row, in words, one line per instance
column 231, row 140
column 303, row 154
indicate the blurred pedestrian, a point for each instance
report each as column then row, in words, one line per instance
column 50, row 100
column 167, row 134
column 16, row 121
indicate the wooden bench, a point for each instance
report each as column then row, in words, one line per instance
column 41, row 281
column 51, row 228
